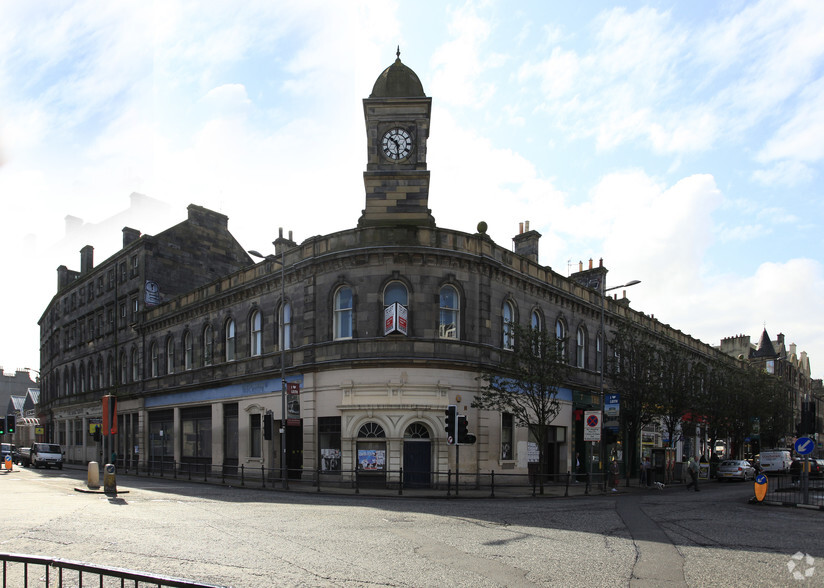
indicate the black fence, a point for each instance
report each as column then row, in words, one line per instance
column 793, row 490
column 21, row 570
column 449, row 483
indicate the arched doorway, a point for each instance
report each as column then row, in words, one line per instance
column 417, row 456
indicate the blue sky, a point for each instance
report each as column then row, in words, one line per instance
column 680, row 142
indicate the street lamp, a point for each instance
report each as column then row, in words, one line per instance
column 281, row 343
column 603, row 342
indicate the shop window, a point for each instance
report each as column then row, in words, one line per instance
column 507, row 437
column 254, row 435
column 329, row 443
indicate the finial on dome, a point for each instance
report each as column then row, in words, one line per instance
column 398, row 54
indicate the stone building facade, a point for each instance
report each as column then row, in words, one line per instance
column 375, row 329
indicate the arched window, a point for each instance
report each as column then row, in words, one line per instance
column 416, row 431
column 256, row 334
column 535, row 321
column 135, row 366
column 81, row 379
column 73, row 381
column 599, row 353
column 170, row 356
column 91, row 375
column 230, row 340
column 371, row 431
column 155, row 360
column 208, row 342
column 449, row 313
column 560, row 336
column 188, row 351
column 395, row 292
column 580, row 348
column 124, row 368
column 67, row 388
column 111, row 373
column 343, row 313
column 101, row 373
column 396, row 308
column 285, row 333
column 507, row 319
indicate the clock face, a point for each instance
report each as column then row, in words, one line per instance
column 396, row 144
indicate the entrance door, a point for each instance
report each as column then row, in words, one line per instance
column 294, row 451
column 417, row 463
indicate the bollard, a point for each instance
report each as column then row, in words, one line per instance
column 93, row 478
column 109, row 480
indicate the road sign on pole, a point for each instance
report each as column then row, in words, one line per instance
column 804, row 445
column 592, row 425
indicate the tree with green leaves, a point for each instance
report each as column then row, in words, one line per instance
column 525, row 384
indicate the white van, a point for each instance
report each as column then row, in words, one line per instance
column 776, row 460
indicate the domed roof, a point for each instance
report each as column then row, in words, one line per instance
column 397, row 81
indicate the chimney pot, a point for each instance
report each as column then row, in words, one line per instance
column 526, row 226
column 520, row 228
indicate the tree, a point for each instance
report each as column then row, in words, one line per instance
column 525, row 384
column 633, row 370
column 676, row 389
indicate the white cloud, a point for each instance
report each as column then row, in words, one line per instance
column 784, row 173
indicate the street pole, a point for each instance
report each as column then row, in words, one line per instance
column 602, row 453
column 284, row 473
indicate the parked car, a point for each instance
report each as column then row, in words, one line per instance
column 23, row 457
column 735, row 469
column 776, row 461
column 816, row 468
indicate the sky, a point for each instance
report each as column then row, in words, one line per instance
column 680, row 142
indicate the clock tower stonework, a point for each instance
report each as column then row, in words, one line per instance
column 397, row 117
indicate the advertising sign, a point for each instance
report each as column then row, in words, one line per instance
column 395, row 319
column 292, row 404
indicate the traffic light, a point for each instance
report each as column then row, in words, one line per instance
column 2, row 426
column 451, row 423
column 267, row 426
column 10, row 424
column 464, row 438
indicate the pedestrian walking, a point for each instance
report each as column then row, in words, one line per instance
column 692, row 469
column 614, row 475
column 644, row 465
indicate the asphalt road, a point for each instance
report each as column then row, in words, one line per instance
column 255, row 538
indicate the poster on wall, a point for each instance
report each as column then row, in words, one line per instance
column 292, row 404
column 330, row 460
column 371, row 460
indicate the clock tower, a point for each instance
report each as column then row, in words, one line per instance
column 397, row 126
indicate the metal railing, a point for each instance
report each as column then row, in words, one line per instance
column 449, row 483
column 19, row 570
column 791, row 490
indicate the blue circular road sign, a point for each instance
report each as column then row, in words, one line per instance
column 804, row 445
